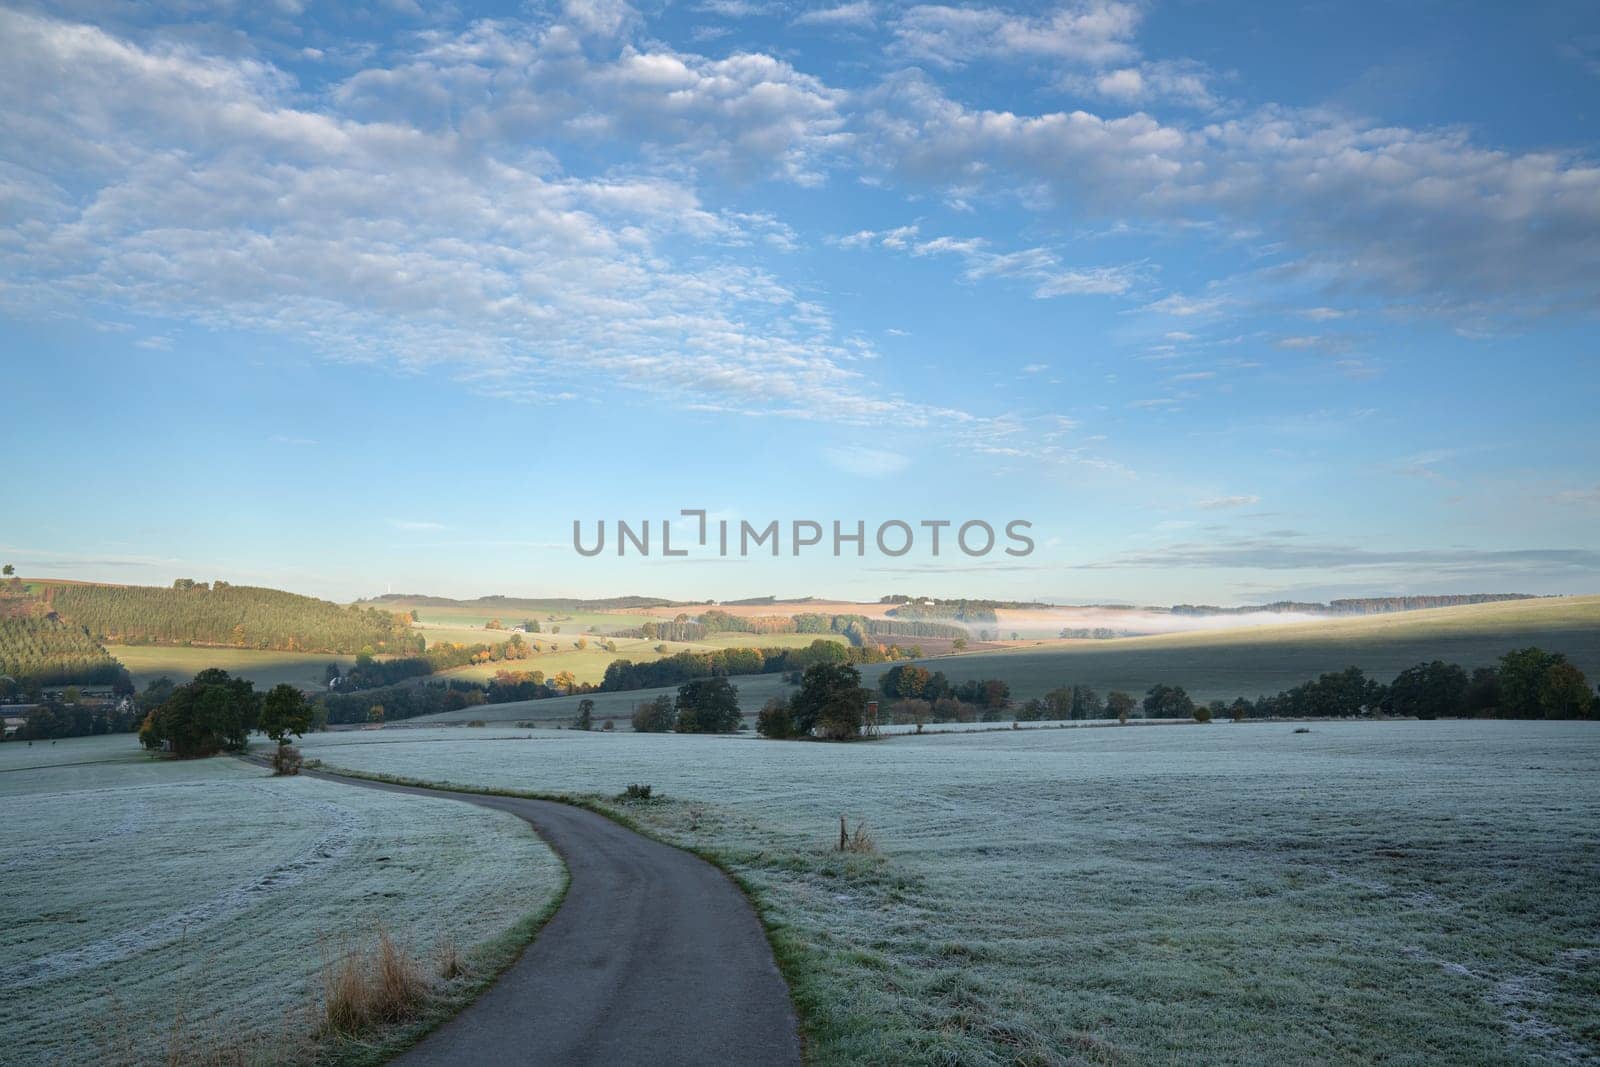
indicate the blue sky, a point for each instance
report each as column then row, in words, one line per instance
column 1233, row 302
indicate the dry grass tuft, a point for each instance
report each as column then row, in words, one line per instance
column 449, row 963
column 360, row 989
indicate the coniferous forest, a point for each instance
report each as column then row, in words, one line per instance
column 220, row 614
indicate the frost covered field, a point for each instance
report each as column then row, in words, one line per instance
column 1366, row 891
column 135, row 887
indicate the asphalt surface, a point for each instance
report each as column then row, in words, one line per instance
column 655, row 957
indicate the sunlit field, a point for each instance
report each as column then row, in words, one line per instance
column 588, row 665
column 1250, row 662
column 1361, row 892
column 158, row 906
column 304, row 670
column 1214, row 665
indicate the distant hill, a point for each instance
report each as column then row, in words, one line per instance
column 1372, row 605
column 216, row 614
column 499, row 603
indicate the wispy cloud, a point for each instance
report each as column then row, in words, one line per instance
column 866, row 462
column 1039, row 267
column 857, row 15
column 1220, row 503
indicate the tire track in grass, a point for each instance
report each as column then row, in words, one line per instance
column 334, row 844
column 33, row 857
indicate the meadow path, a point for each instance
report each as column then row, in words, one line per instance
column 654, row 957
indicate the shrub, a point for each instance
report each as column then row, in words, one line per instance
column 774, row 721
column 287, row 760
column 656, row 716
column 1202, row 714
column 912, row 711
column 637, row 792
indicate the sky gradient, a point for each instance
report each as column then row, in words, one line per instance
column 1233, row 302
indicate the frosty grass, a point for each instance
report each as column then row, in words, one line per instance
column 136, row 889
column 1403, row 891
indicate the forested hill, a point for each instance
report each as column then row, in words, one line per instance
column 47, row 651
column 237, row 616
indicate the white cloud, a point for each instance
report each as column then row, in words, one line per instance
column 1039, row 267
column 856, row 15
column 507, row 84
column 193, row 187
column 1094, row 32
column 1221, row 503
column 1421, row 216
column 1182, row 82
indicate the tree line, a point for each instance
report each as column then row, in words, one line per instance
column 1371, row 605
column 623, row 675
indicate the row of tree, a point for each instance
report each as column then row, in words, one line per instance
column 702, row 706
column 623, row 675
column 1528, row 683
column 911, row 681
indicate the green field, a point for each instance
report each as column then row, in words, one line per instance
column 588, row 665
column 754, row 689
column 473, row 617
column 304, row 670
column 1267, row 659
column 1219, row 665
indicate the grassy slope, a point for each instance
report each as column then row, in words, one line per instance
column 1222, row 664
column 1367, row 892
column 589, row 664
column 221, row 880
column 1258, row 660
column 265, row 669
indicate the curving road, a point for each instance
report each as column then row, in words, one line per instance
column 654, row 957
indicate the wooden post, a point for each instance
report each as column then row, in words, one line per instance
column 844, row 839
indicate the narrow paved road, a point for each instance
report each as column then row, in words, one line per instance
column 655, row 957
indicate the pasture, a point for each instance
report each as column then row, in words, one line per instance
column 1396, row 892
column 188, row 906
column 303, row 670
column 1224, row 664
column 1210, row 665
column 588, row 665
column 473, row 616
